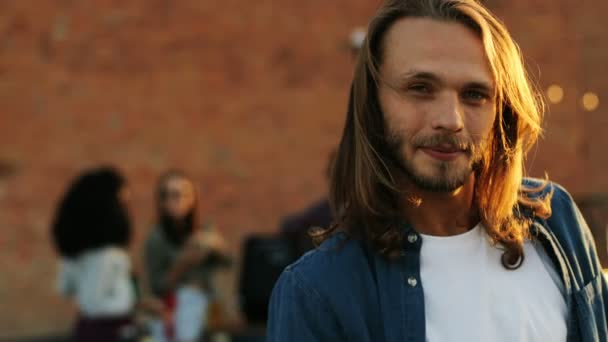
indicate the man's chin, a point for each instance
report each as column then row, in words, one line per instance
column 444, row 183
column 438, row 186
column 436, row 176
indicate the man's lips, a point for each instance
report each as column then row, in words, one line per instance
column 442, row 152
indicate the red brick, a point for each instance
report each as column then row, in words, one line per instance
column 248, row 98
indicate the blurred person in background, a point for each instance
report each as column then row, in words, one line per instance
column 91, row 231
column 181, row 255
column 438, row 234
column 295, row 227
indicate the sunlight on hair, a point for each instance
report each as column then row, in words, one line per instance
column 590, row 101
column 362, row 184
column 555, row 93
column 414, row 200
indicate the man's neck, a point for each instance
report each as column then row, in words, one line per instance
column 441, row 214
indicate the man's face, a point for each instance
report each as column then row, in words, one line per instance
column 178, row 197
column 438, row 99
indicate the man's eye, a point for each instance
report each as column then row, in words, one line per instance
column 475, row 96
column 420, row 88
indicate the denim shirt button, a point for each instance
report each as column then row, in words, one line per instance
column 412, row 281
column 412, row 238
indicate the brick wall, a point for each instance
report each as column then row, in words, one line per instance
column 247, row 96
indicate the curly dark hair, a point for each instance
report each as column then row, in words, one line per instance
column 91, row 214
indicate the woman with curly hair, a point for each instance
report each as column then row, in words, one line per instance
column 91, row 232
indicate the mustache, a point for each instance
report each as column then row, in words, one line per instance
column 452, row 141
column 467, row 144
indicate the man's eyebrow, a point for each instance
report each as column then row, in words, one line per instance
column 420, row 75
column 480, row 85
column 429, row 76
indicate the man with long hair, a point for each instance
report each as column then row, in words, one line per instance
column 438, row 236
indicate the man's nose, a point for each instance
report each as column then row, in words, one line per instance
column 448, row 113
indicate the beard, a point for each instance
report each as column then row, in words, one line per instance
column 448, row 176
column 177, row 231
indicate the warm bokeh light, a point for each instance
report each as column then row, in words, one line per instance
column 555, row 93
column 590, row 101
column 357, row 37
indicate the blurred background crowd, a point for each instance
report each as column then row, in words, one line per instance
column 209, row 127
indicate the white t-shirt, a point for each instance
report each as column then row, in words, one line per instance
column 100, row 282
column 469, row 296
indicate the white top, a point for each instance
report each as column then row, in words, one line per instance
column 100, row 282
column 470, row 296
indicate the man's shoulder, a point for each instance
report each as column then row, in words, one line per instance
column 561, row 200
column 563, row 207
column 332, row 261
column 541, row 188
column 572, row 233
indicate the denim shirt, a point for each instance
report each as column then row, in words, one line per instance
column 342, row 291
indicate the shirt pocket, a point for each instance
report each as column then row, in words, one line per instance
column 590, row 309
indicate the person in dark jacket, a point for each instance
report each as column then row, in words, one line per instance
column 438, row 235
column 295, row 228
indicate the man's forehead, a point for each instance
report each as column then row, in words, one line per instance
column 443, row 48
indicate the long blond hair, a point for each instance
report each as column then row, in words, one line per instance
column 363, row 192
